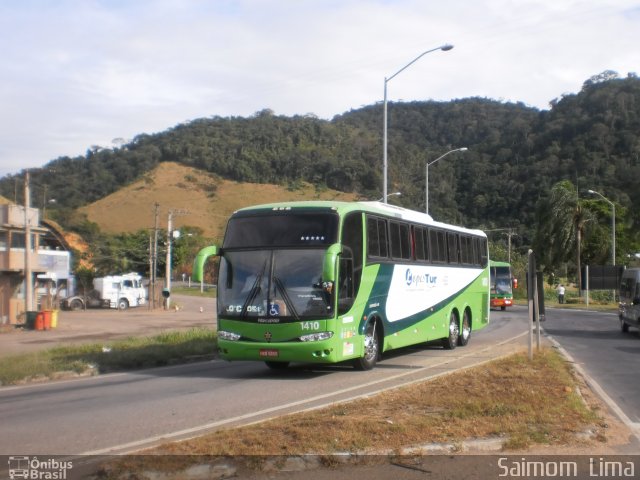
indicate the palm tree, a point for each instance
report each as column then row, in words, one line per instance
column 564, row 218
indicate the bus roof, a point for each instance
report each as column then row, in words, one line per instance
column 371, row 207
column 494, row 263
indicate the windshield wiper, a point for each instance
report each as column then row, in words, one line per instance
column 285, row 297
column 255, row 288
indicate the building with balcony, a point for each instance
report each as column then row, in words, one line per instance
column 49, row 261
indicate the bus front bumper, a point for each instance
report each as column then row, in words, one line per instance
column 305, row 352
column 501, row 302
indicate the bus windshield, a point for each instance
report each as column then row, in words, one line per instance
column 501, row 280
column 273, row 286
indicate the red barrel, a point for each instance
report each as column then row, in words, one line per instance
column 39, row 323
column 47, row 319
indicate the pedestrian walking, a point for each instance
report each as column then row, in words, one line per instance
column 560, row 293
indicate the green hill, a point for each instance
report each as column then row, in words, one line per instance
column 205, row 201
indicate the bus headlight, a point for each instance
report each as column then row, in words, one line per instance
column 316, row 337
column 228, row 336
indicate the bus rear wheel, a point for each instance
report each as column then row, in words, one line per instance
column 465, row 332
column 371, row 348
column 451, row 340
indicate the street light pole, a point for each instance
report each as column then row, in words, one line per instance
column 444, row 48
column 167, row 281
column 394, row 194
column 426, row 188
column 28, row 274
column 613, row 225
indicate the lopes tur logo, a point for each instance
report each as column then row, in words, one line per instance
column 418, row 279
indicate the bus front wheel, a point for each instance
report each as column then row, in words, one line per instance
column 451, row 340
column 371, row 348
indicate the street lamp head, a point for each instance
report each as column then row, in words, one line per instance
column 446, row 47
column 394, row 194
column 463, row 149
column 590, row 191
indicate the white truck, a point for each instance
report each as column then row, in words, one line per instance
column 114, row 291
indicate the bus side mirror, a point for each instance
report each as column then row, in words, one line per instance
column 515, row 283
column 201, row 258
column 329, row 267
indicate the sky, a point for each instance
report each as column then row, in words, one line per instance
column 82, row 73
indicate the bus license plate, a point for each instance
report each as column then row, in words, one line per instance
column 268, row 352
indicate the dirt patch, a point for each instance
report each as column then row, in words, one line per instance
column 95, row 325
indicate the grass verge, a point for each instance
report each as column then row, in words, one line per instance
column 522, row 402
column 526, row 402
column 194, row 291
column 163, row 349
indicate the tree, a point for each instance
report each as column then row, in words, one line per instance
column 563, row 220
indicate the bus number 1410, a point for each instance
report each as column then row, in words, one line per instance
column 310, row 325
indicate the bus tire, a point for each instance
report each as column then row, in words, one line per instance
column 276, row 365
column 371, row 348
column 451, row 341
column 465, row 330
column 503, row 308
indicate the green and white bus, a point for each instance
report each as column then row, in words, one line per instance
column 327, row 282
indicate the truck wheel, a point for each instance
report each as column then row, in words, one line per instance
column 75, row 305
column 624, row 326
column 123, row 304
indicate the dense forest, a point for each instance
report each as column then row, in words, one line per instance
column 516, row 155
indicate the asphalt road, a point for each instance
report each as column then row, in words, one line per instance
column 126, row 411
column 596, row 343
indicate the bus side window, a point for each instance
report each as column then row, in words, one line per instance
column 484, row 256
column 452, row 244
column 377, row 237
column 437, row 246
column 400, row 240
column 421, row 244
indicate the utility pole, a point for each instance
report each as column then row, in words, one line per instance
column 154, row 255
column 509, row 233
column 167, row 285
column 149, row 307
column 28, row 276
